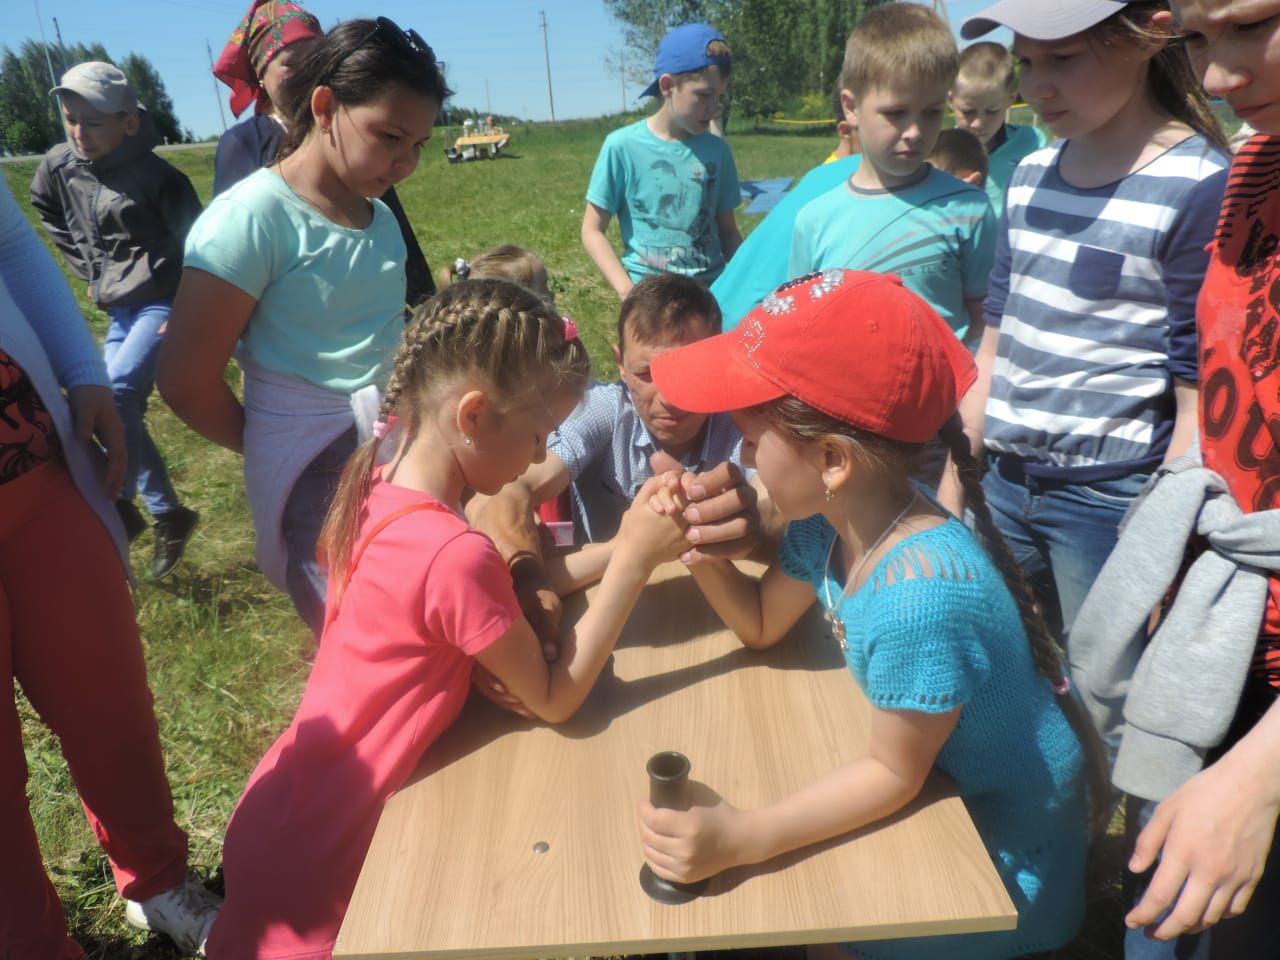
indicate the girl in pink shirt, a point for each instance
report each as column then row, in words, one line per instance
column 416, row 598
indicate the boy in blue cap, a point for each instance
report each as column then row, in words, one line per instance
column 669, row 180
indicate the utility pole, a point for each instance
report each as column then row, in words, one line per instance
column 488, row 103
column 940, row 8
column 53, row 81
column 622, row 76
column 217, row 92
column 62, row 50
column 546, row 52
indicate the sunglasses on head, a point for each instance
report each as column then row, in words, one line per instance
column 406, row 41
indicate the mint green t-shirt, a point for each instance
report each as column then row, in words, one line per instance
column 666, row 195
column 1004, row 159
column 330, row 299
column 938, row 235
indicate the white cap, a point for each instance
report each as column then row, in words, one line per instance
column 1041, row 19
column 103, row 86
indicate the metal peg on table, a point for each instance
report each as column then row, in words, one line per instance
column 669, row 788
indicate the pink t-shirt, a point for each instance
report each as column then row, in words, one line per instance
column 392, row 673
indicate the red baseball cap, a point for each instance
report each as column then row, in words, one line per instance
column 860, row 347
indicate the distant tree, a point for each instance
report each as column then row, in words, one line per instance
column 781, row 48
column 29, row 121
column 147, row 84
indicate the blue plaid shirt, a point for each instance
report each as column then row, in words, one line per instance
column 606, row 447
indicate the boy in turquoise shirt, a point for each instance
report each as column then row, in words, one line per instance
column 669, row 180
column 985, row 89
column 896, row 213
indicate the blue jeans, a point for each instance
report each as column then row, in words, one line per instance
column 304, row 514
column 1254, row 933
column 131, row 348
column 1060, row 533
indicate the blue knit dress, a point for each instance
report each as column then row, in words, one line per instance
column 934, row 628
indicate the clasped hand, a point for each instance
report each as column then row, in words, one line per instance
column 719, row 506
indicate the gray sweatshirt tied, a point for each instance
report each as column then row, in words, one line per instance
column 1171, row 698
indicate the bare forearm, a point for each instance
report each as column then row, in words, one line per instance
column 735, row 597
column 1258, row 753
column 592, row 638
column 853, row 796
column 1186, row 420
column 212, row 411
column 602, row 254
column 572, row 571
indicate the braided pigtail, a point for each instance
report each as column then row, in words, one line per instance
column 492, row 329
column 1044, row 650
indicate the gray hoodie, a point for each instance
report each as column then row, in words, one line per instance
column 1173, row 697
column 121, row 220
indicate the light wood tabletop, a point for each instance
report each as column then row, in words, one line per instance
column 519, row 840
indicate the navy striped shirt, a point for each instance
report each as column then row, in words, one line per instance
column 1094, row 293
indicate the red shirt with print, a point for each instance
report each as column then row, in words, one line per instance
column 1239, row 323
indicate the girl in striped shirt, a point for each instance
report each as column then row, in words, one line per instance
column 1090, row 348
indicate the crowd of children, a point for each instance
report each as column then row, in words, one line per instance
column 1085, row 331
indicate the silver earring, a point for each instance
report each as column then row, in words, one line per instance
column 466, row 440
column 830, row 496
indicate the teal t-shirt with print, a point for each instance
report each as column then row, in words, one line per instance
column 1018, row 141
column 938, row 234
column 330, row 299
column 666, row 195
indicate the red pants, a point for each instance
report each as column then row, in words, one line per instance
column 69, row 637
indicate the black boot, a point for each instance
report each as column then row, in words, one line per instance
column 173, row 529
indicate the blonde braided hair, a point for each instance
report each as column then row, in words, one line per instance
column 494, row 330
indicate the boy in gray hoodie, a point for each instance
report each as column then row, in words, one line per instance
column 119, row 216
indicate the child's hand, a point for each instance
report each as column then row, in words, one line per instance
column 652, row 527
column 687, row 845
column 94, row 416
column 723, row 516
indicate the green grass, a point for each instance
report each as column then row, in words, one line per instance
column 226, row 655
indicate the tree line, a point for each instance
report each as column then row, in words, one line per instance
column 29, row 119
column 781, row 48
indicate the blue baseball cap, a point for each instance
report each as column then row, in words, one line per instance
column 684, row 50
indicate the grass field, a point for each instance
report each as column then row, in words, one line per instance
column 227, row 657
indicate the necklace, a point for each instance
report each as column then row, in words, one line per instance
column 837, row 625
column 352, row 214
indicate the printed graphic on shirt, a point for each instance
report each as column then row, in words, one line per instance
column 677, row 207
column 27, row 434
column 1240, row 333
column 1239, row 325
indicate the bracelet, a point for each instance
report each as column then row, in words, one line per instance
column 523, row 559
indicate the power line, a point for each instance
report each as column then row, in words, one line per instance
column 217, row 91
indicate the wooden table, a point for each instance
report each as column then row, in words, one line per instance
column 454, row 869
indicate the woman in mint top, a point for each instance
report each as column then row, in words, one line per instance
column 299, row 271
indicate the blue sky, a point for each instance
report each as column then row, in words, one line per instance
column 484, row 42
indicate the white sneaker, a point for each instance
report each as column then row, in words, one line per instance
column 184, row 913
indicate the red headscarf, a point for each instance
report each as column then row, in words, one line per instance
column 268, row 27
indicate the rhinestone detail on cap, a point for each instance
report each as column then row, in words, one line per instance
column 828, row 280
column 777, row 306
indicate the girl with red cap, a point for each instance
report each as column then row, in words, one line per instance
column 837, row 380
